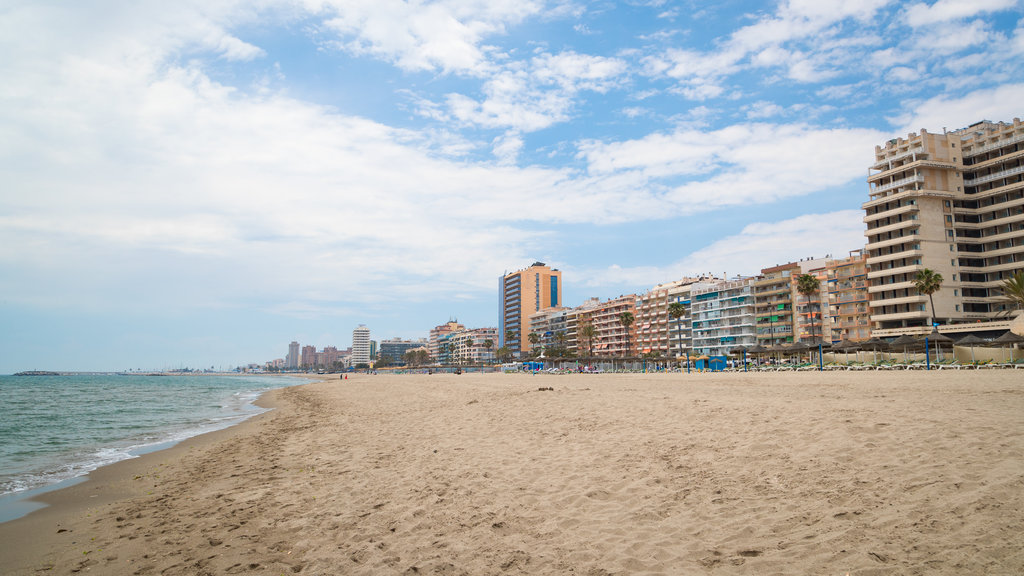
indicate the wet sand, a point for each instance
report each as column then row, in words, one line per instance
column 781, row 473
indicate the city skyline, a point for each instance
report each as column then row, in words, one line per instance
column 194, row 183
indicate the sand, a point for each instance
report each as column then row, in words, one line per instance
column 805, row 473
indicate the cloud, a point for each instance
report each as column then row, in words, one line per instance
column 446, row 36
column 921, row 14
column 999, row 103
column 744, row 163
column 758, row 245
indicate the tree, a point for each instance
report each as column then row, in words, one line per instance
column 676, row 311
column 928, row 282
column 808, row 285
column 534, row 339
column 488, row 345
column 1013, row 289
column 503, row 354
column 626, row 319
column 585, row 333
column 510, row 337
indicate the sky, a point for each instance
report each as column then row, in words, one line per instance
column 198, row 183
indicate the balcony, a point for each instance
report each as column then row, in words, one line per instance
column 994, row 176
column 878, row 189
column 886, row 163
column 915, row 299
column 906, row 224
column 893, row 212
column 894, row 256
column 915, row 315
column 996, row 145
column 910, row 269
column 893, row 286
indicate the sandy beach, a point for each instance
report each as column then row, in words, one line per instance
column 798, row 473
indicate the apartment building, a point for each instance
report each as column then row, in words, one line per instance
column 847, row 287
column 438, row 335
column 723, row 316
column 361, row 345
column 611, row 338
column 656, row 331
column 521, row 294
column 811, row 317
column 951, row 202
column 773, row 304
column 551, row 327
column 466, row 346
column 575, row 319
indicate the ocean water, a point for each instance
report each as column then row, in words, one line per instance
column 55, row 428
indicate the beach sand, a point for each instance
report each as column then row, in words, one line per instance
column 798, row 473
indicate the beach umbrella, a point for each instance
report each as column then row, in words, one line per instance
column 845, row 346
column 906, row 342
column 971, row 340
column 874, row 344
column 938, row 339
column 1008, row 339
column 757, row 350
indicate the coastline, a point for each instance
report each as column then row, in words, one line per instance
column 117, row 482
column 601, row 474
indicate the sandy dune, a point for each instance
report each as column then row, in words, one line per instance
column 805, row 473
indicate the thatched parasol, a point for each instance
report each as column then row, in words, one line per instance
column 972, row 341
column 1008, row 340
column 906, row 342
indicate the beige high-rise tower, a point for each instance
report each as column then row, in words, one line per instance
column 521, row 294
column 951, row 202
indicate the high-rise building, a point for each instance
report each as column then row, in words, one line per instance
column 308, row 357
column 293, row 358
column 438, row 345
column 611, row 338
column 656, row 331
column 394, row 349
column 723, row 316
column 521, row 294
column 848, row 298
column 952, row 203
column 361, row 345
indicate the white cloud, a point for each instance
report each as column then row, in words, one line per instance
column 758, row 245
column 999, row 103
column 531, row 97
column 921, row 14
column 754, row 163
column 446, row 35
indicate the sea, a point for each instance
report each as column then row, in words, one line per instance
column 56, row 429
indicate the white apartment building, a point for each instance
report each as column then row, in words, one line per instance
column 723, row 316
column 361, row 345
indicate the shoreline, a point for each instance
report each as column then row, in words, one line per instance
column 107, row 485
column 17, row 505
column 549, row 474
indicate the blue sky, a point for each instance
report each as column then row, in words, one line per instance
column 199, row 183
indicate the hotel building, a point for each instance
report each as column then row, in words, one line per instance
column 773, row 304
column 656, row 331
column 723, row 316
column 521, row 294
column 953, row 203
column 361, row 345
column 847, row 285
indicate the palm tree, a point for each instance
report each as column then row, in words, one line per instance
column 534, row 339
column 586, row 332
column 928, row 282
column 488, row 345
column 808, row 285
column 510, row 336
column 677, row 310
column 1013, row 289
column 626, row 319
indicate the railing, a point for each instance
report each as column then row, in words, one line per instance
column 994, row 176
column 997, row 144
column 897, row 183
